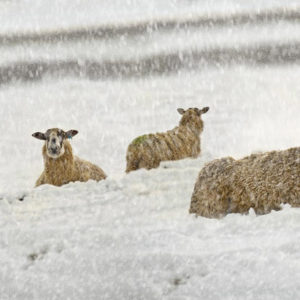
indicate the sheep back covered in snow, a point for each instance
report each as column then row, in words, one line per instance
column 147, row 151
column 60, row 165
column 260, row 181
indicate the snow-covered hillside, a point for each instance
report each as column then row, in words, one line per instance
column 46, row 15
column 130, row 236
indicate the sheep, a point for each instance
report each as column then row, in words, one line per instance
column 147, row 151
column 260, row 181
column 60, row 165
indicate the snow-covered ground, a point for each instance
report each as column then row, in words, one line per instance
column 47, row 15
column 182, row 40
column 130, row 236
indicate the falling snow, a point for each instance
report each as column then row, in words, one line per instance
column 114, row 70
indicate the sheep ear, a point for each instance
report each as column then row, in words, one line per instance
column 204, row 110
column 71, row 133
column 39, row 135
column 181, row 110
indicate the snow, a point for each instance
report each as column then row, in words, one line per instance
column 179, row 40
column 47, row 15
column 131, row 236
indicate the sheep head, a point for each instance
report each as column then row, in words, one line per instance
column 54, row 140
column 192, row 117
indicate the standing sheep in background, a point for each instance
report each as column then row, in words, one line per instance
column 260, row 181
column 149, row 150
column 60, row 165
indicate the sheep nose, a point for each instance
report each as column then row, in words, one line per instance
column 54, row 150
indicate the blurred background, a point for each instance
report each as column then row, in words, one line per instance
column 116, row 69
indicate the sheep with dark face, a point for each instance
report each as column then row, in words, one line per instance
column 60, row 165
column 183, row 141
column 259, row 181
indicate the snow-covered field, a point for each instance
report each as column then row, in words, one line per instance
column 130, row 236
column 46, row 15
